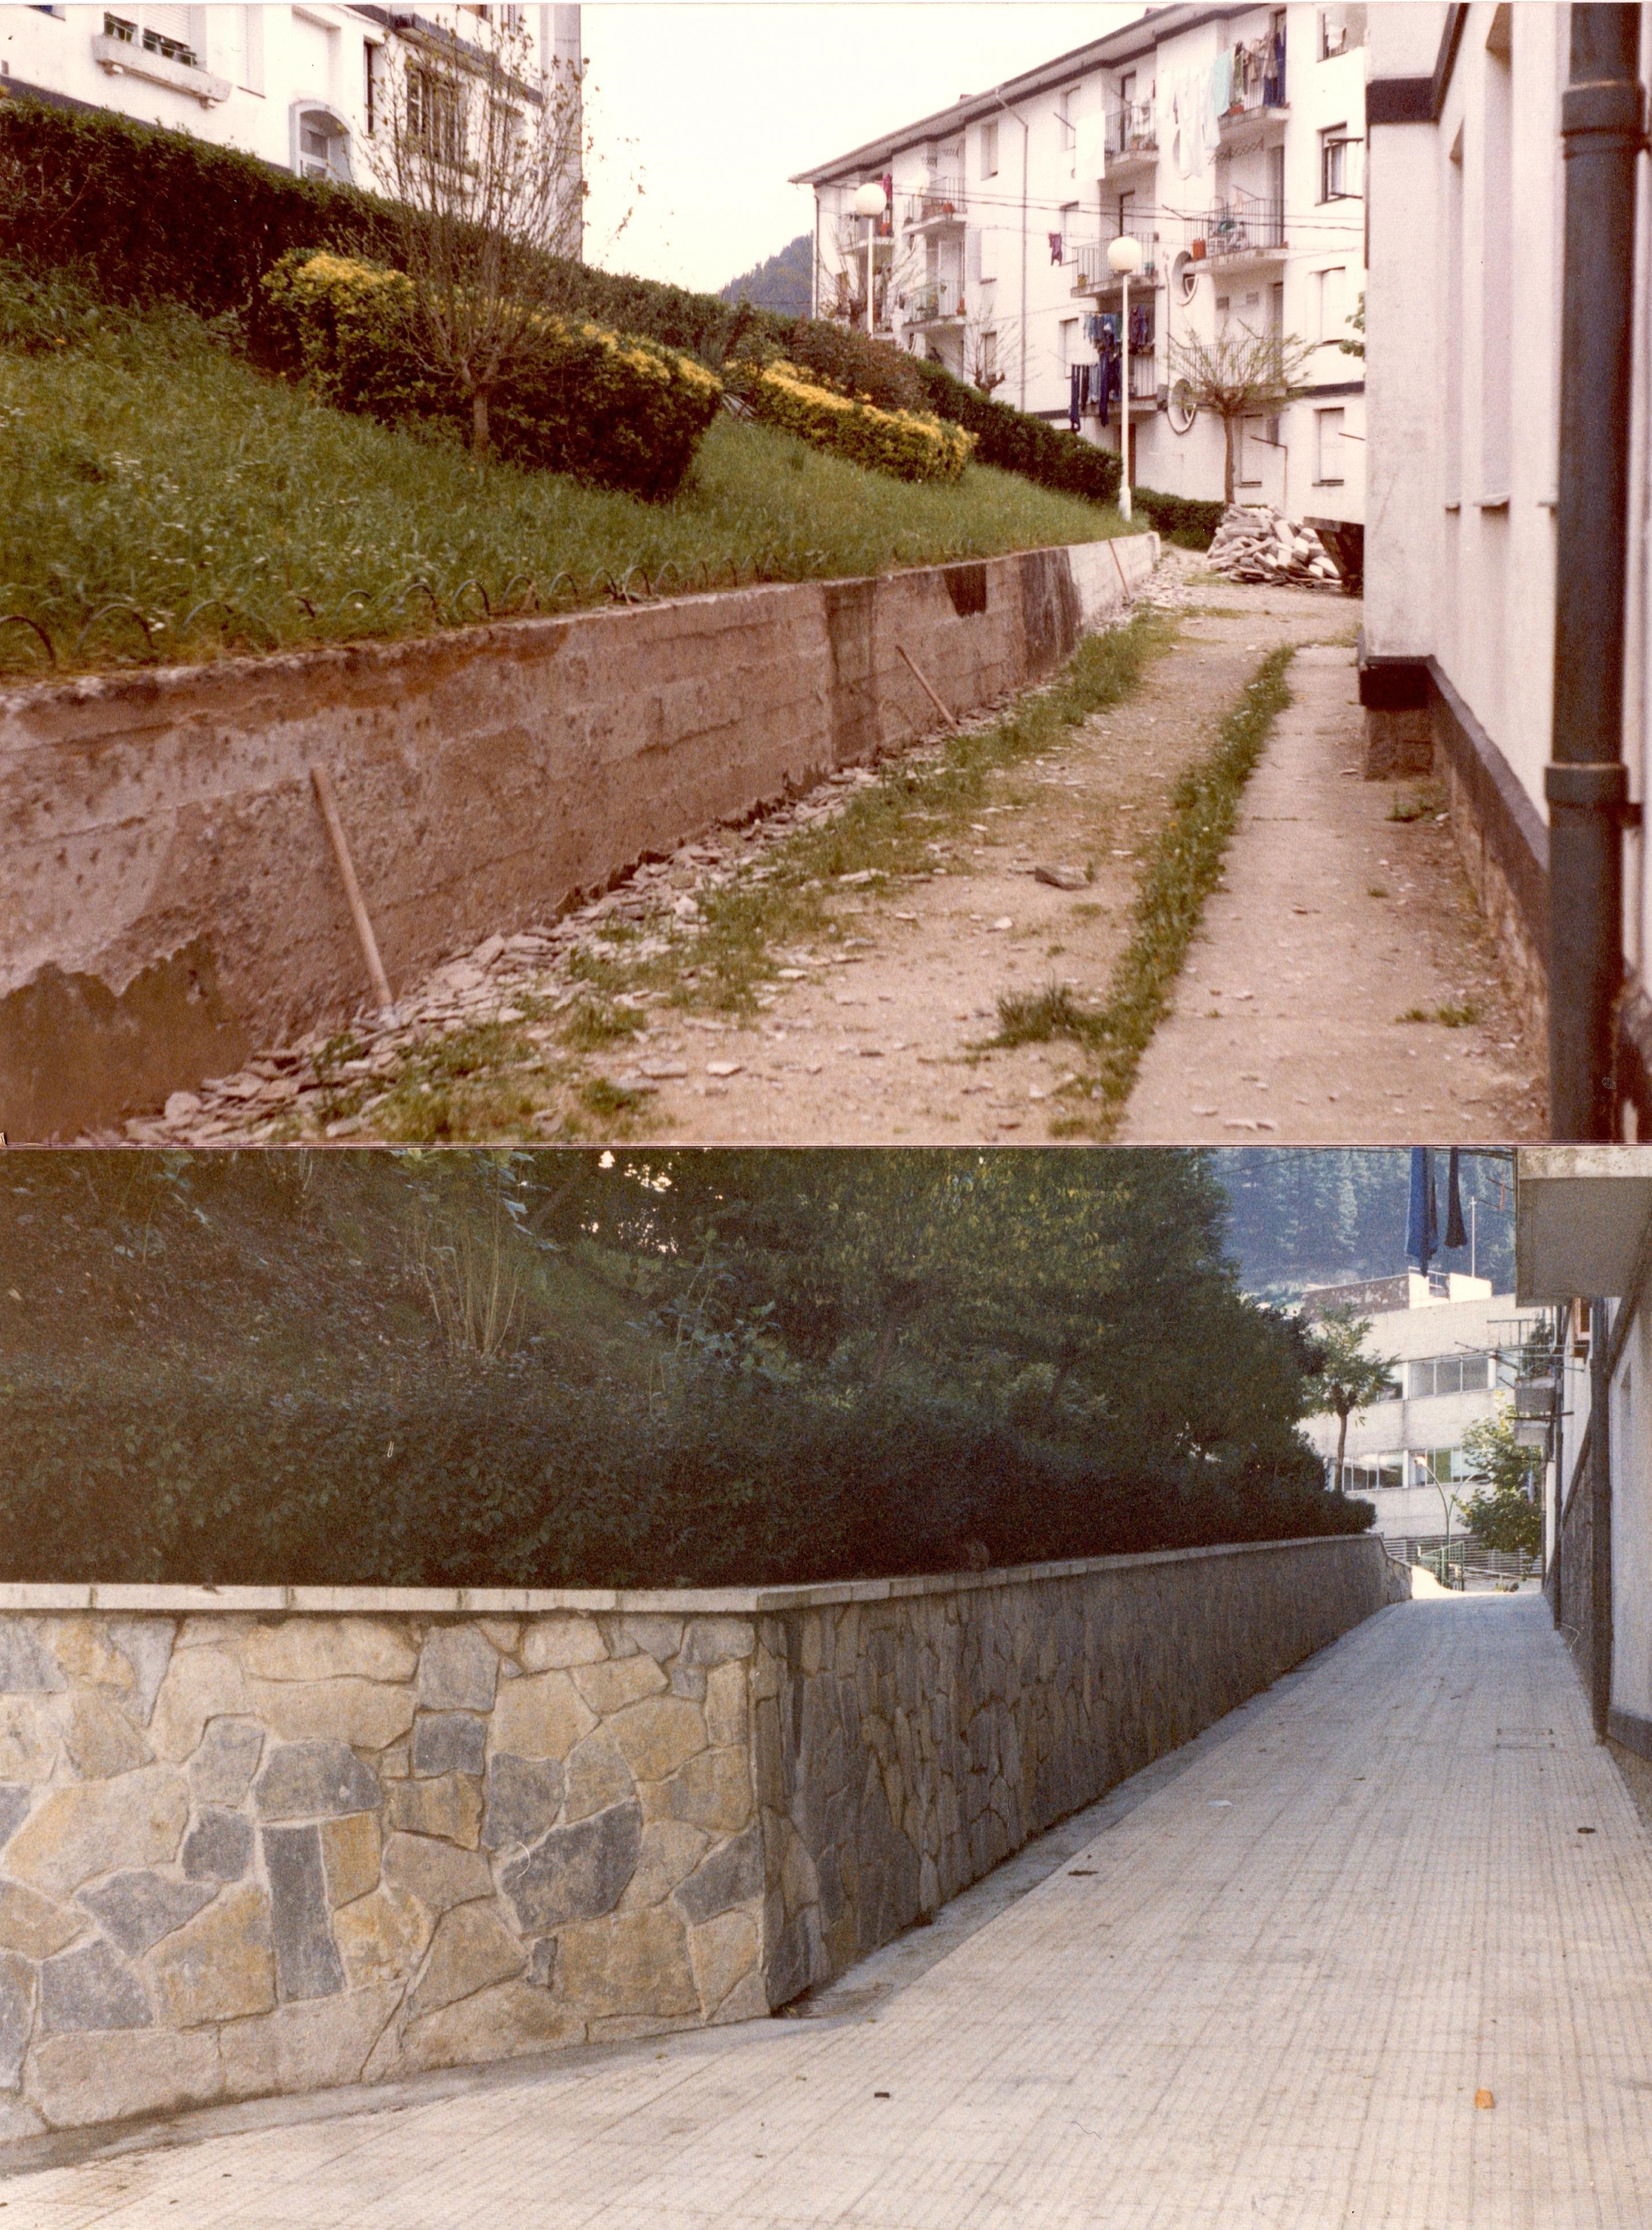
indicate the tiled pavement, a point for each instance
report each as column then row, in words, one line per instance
column 1267, row 1994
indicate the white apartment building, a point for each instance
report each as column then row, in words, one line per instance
column 1228, row 142
column 1453, row 1341
column 292, row 85
column 1508, row 591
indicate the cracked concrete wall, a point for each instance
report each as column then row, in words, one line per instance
column 167, row 897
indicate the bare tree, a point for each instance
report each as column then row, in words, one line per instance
column 1239, row 375
column 479, row 147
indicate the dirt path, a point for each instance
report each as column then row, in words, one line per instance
column 875, row 1027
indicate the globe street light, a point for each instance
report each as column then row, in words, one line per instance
column 1124, row 256
column 870, row 202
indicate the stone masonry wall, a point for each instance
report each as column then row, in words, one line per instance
column 167, row 896
column 264, row 1841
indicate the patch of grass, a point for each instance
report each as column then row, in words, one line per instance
column 479, row 1084
column 1035, row 1017
column 608, row 1101
column 1183, row 867
column 591, row 1025
column 1378, row 891
column 1422, row 805
column 163, row 499
column 1460, row 1015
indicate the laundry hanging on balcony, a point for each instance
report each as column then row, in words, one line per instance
column 1057, row 247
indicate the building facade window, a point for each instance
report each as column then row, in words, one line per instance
column 1339, row 153
column 1341, row 30
column 1447, row 1374
column 990, row 151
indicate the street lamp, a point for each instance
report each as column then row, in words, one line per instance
column 870, row 202
column 1124, row 256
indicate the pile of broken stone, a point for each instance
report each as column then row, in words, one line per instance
column 1256, row 542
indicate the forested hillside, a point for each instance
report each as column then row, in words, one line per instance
column 779, row 282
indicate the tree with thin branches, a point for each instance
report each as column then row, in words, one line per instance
column 479, row 147
column 1237, row 375
column 1346, row 1377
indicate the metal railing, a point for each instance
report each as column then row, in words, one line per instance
column 1455, row 1562
column 1243, row 224
column 1131, row 130
column 943, row 298
column 1144, row 378
column 941, row 202
column 1092, row 275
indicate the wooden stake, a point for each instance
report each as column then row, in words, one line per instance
column 924, row 685
column 369, row 944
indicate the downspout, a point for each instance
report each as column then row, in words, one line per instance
column 1026, row 140
column 1586, row 782
column 1600, row 1513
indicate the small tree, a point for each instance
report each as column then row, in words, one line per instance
column 1344, row 1378
column 1503, row 1514
column 1239, row 375
column 479, row 150
column 1356, row 347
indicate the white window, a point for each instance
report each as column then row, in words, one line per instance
column 1444, row 1374
column 1065, row 107
column 990, row 149
column 1497, row 280
column 168, row 32
column 1330, row 295
column 1341, row 30
column 1069, row 333
column 1327, row 448
column 1339, row 152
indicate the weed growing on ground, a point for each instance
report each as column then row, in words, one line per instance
column 1424, row 805
column 1183, row 867
column 1035, row 1017
column 1460, row 1015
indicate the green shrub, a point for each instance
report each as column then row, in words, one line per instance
column 607, row 407
column 905, row 445
column 1018, row 442
column 844, row 358
column 1182, row 519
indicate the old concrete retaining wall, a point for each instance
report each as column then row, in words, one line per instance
column 167, row 898
column 261, row 1841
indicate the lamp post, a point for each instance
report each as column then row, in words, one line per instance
column 1124, row 256
column 870, row 202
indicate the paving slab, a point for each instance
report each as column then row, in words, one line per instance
column 1351, row 1960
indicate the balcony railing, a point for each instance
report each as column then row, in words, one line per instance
column 1132, row 131
column 941, row 202
column 1092, row 275
column 932, row 304
column 1262, row 84
column 1144, row 378
column 851, row 236
column 1243, row 224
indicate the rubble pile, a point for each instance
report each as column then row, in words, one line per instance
column 1256, row 542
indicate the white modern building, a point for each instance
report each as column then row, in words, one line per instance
column 1507, row 555
column 1452, row 1341
column 1229, row 143
column 295, row 85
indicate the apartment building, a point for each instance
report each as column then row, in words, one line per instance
column 1508, row 593
column 1229, row 143
column 1455, row 1346
column 295, row 86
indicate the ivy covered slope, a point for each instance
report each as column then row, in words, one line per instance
column 725, row 1369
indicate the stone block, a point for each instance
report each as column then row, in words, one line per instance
column 222, row 1769
column 747, row 2001
column 458, row 1670
column 350, row 1850
column 78, row 2080
column 721, row 1953
column 503, row 1633
column 540, row 1716
column 218, row 1966
column 524, row 1797
column 659, row 1735
column 27, row 1665
column 575, row 1872
column 551, row 1645
column 382, row 1937
column 500, row 2023
column 146, row 1644
column 471, row 1950
column 328, row 1649
column 608, row 1688
column 218, row 1848
column 29, row 1739
column 712, row 1791
column 200, row 1685
column 707, row 1641
column 438, row 1874
column 81, row 1648
column 630, row 1964
column 89, row 1989
column 137, row 1819
column 688, row 1680
column 670, row 1852
column 307, row 1959
column 136, row 1909
column 311, row 1780
column 542, row 1963
column 16, row 2016
column 450, row 1808
column 100, row 1740
column 33, row 1925
column 366, row 1714
column 732, row 1874
column 725, row 1711
column 596, row 1776
column 659, row 1636
column 14, row 1800
column 448, row 1741
column 317, row 2045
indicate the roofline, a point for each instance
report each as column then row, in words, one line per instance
column 1120, row 46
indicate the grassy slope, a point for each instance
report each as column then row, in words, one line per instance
column 144, row 468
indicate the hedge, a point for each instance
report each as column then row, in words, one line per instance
column 622, row 412
column 93, row 183
column 904, row 443
column 1183, row 519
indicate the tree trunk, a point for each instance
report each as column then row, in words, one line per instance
column 479, row 421
column 1227, row 430
column 1342, row 1442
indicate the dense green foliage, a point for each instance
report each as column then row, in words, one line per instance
column 618, row 411
column 781, row 282
column 1319, row 1215
column 908, row 445
column 1506, row 1511
column 722, row 1368
column 1183, row 519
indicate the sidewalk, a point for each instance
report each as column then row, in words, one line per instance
column 1270, row 1993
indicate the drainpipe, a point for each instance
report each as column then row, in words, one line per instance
column 1600, row 1513
column 1586, row 782
column 1026, row 138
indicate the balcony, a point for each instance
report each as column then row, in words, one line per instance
column 851, row 238
column 939, row 302
column 939, row 205
column 1243, row 229
column 1144, row 378
column 1259, row 95
column 1132, row 138
column 1092, row 275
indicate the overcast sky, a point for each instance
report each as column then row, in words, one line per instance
column 701, row 109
